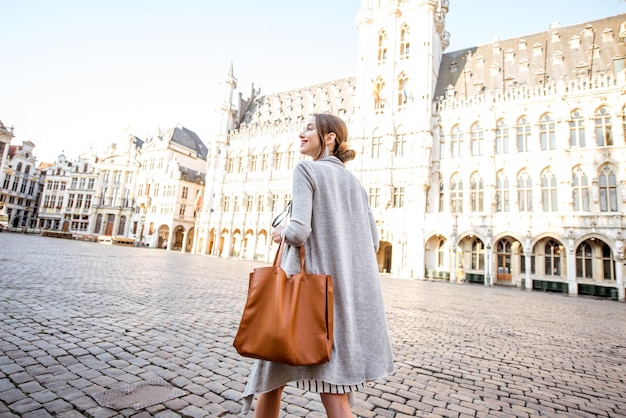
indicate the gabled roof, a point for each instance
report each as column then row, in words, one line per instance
column 333, row 96
column 560, row 53
column 188, row 139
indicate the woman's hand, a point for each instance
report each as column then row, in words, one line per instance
column 276, row 234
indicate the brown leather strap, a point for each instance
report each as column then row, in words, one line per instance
column 279, row 253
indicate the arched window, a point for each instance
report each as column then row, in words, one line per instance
column 502, row 138
column 377, row 144
column 27, row 170
column 477, row 138
column 441, row 195
column 525, row 192
column 477, row 194
column 403, row 90
column 546, row 133
column 442, row 143
column 576, row 130
column 549, row 191
column 441, row 252
column 456, row 141
column 580, row 190
column 608, row 263
column 608, row 189
column 18, row 168
column 604, row 136
column 502, row 193
column 382, row 47
column 265, row 160
column 291, row 157
column 405, row 44
column 478, row 255
column 456, row 194
column 503, row 254
column 523, row 133
column 584, row 261
column 278, row 159
column 400, row 145
column 552, row 258
column 378, row 94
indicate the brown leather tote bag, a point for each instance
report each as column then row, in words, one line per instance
column 287, row 319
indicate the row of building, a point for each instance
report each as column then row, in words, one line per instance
column 142, row 192
column 500, row 164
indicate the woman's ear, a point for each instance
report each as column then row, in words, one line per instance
column 330, row 138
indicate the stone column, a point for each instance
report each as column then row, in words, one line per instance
column 571, row 265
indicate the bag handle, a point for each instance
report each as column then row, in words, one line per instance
column 302, row 258
column 279, row 255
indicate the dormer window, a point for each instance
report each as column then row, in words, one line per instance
column 450, row 92
column 607, row 35
column 522, row 44
column 582, row 70
column 574, row 43
column 509, row 54
column 558, row 57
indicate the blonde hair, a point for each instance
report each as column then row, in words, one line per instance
column 325, row 124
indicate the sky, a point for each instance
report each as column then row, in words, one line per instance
column 78, row 75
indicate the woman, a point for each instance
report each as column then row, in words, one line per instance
column 332, row 219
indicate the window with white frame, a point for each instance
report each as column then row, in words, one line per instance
column 502, row 138
column 525, row 192
column 477, row 193
column 523, row 134
column 547, row 137
column 604, row 135
column 580, row 190
column 549, row 191
column 577, row 130
column 607, row 183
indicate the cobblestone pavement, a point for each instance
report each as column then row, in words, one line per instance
column 77, row 318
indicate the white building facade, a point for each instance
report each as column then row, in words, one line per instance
column 499, row 164
column 169, row 187
column 114, row 203
column 19, row 186
column 69, row 188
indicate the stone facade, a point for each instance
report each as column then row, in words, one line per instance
column 499, row 164
column 19, row 186
column 169, row 188
column 69, row 188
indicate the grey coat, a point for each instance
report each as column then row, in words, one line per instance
column 331, row 217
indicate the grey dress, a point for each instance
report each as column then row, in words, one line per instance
column 332, row 219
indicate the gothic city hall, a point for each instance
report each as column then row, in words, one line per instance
column 500, row 164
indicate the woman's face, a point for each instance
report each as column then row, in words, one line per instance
column 310, row 140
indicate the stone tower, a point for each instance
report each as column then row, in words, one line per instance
column 401, row 44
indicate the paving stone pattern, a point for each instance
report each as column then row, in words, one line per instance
column 77, row 318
